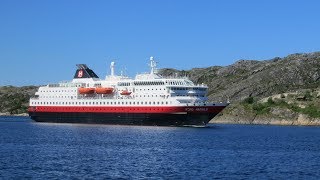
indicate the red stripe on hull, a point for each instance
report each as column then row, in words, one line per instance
column 126, row 109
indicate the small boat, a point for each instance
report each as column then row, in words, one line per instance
column 83, row 90
column 125, row 92
column 104, row 90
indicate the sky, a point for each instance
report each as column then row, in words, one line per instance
column 41, row 41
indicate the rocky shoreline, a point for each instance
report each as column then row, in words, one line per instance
column 20, row 115
column 301, row 120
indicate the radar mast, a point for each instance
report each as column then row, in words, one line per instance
column 153, row 65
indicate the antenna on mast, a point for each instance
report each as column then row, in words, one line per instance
column 153, row 65
column 112, row 68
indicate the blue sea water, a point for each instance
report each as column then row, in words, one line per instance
column 30, row 150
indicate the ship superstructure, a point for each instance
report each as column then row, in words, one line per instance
column 148, row 99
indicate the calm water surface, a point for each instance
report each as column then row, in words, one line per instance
column 30, row 150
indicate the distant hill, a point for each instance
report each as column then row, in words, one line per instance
column 276, row 91
column 14, row 100
column 254, row 78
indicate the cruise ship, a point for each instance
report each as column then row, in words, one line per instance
column 148, row 99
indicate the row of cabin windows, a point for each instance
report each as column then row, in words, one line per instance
column 58, row 85
column 173, row 88
column 148, row 83
column 55, row 91
column 200, row 89
column 58, row 97
column 102, row 103
column 175, row 82
column 71, row 97
column 152, row 96
column 128, row 84
column 151, row 83
column 184, row 95
column 123, row 84
column 180, row 88
column 149, row 89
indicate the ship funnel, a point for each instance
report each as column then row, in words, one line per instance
column 84, row 72
column 112, row 68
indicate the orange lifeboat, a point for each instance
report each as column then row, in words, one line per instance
column 104, row 90
column 83, row 90
column 125, row 92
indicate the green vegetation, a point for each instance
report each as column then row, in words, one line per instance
column 308, row 96
column 248, row 100
column 311, row 107
column 14, row 100
column 15, row 103
column 311, row 110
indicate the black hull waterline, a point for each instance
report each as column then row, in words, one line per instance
column 142, row 119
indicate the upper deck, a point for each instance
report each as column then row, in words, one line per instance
column 148, row 88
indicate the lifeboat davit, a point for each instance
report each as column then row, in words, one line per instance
column 125, row 92
column 83, row 90
column 104, row 90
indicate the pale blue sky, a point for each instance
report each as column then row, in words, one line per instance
column 41, row 41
